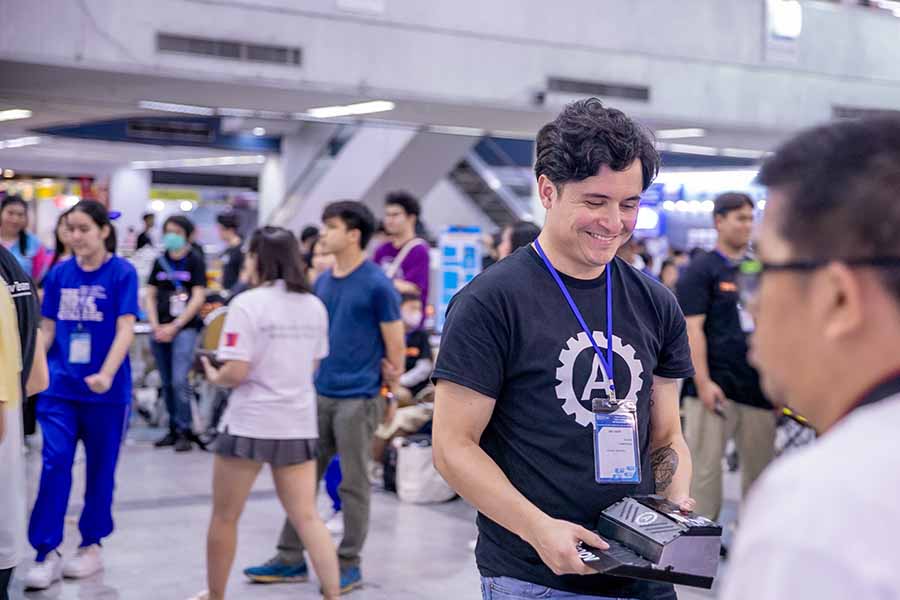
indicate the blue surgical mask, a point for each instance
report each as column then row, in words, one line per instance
column 173, row 242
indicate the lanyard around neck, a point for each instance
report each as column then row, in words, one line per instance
column 605, row 361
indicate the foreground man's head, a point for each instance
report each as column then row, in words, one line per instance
column 827, row 303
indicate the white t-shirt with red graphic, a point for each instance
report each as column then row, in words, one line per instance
column 281, row 334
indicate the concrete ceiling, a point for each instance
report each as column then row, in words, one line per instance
column 65, row 96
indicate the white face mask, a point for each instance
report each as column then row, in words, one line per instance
column 411, row 319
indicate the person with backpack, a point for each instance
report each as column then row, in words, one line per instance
column 404, row 257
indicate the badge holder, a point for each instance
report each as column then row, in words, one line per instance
column 650, row 538
column 80, row 347
column 178, row 304
column 616, row 449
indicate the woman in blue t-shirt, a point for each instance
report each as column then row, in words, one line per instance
column 89, row 309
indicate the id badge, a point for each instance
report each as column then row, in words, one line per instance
column 616, row 449
column 747, row 323
column 177, row 304
column 80, row 348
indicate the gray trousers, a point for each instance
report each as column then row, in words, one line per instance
column 346, row 427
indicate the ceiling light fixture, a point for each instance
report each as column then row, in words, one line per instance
column 215, row 161
column 235, row 112
column 272, row 114
column 20, row 142
column 742, row 153
column 785, row 18
column 692, row 149
column 188, row 109
column 14, row 113
column 259, row 131
column 674, row 134
column 455, row 130
column 361, row 108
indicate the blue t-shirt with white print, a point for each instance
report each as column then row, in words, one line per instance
column 357, row 306
column 88, row 303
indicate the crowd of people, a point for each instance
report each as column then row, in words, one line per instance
column 294, row 403
column 325, row 353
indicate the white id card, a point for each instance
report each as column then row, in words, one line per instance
column 747, row 323
column 177, row 304
column 616, row 450
column 80, row 348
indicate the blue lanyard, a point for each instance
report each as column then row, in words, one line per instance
column 606, row 362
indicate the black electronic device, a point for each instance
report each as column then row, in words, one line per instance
column 651, row 538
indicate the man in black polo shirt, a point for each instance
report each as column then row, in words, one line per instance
column 725, row 398
column 517, row 372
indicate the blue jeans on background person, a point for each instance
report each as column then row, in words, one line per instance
column 174, row 360
column 333, row 481
column 508, row 588
column 101, row 427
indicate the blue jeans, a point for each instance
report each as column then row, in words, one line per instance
column 174, row 360
column 507, row 588
column 101, row 426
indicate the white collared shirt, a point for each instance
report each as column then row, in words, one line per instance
column 824, row 522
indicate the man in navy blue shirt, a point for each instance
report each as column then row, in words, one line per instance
column 366, row 341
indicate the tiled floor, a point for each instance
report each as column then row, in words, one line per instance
column 161, row 512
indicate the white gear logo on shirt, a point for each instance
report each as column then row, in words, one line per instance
column 597, row 380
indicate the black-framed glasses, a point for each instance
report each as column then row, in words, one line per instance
column 751, row 271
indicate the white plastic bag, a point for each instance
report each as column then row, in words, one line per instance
column 418, row 482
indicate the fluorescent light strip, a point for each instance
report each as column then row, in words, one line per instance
column 215, row 161
column 674, row 134
column 272, row 114
column 20, row 142
column 188, row 109
column 361, row 108
column 454, row 130
column 692, row 149
column 235, row 112
column 742, row 153
column 14, row 113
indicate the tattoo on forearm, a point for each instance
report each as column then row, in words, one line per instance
column 664, row 462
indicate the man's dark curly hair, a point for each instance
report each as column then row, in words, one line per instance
column 585, row 136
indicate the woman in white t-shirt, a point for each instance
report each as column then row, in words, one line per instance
column 273, row 338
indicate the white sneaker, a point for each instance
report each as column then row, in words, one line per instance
column 335, row 523
column 375, row 473
column 43, row 574
column 85, row 563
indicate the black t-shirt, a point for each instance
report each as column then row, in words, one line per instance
column 511, row 335
column 186, row 273
column 709, row 286
column 417, row 348
column 143, row 239
column 232, row 261
column 28, row 311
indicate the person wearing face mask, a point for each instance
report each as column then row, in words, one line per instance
column 409, row 411
column 89, row 309
column 176, row 291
